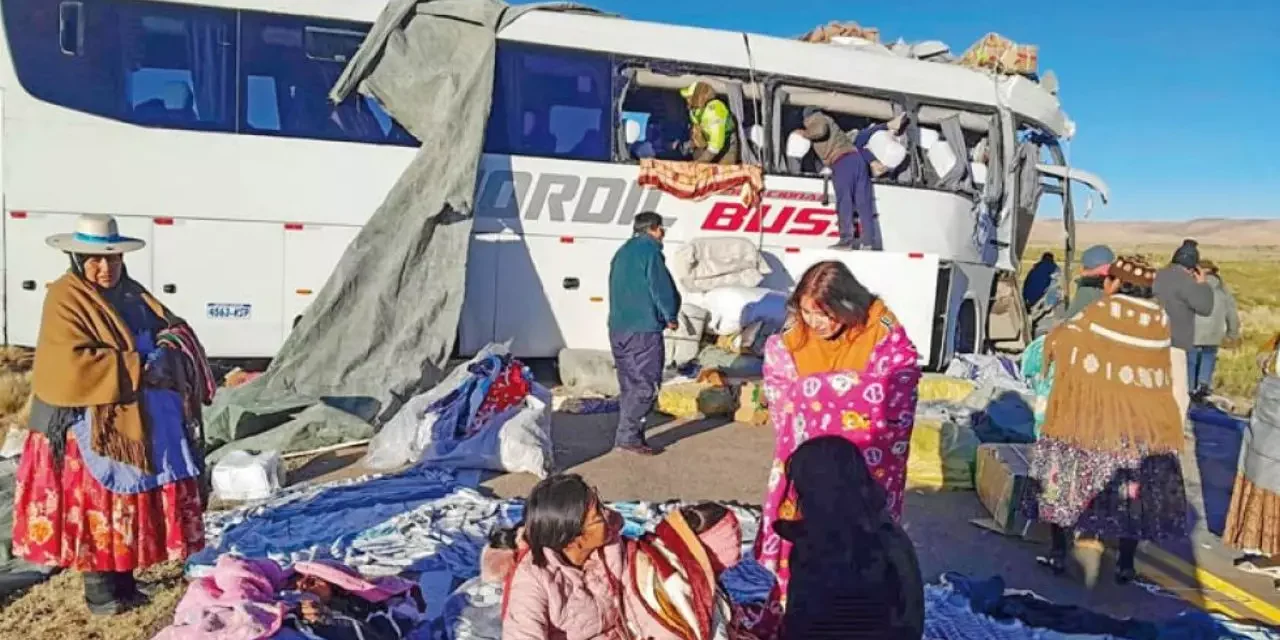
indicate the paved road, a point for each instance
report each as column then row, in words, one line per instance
column 710, row 460
column 714, row 460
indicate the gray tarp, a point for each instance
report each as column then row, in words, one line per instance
column 384, row 325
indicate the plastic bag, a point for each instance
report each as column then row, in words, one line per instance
column 241, row 475
column 404, row 437
column 516, row 440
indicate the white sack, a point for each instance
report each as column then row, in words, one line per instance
column 703, row 264
column 684, row 342
column 733, row 308
column 241, row 475
column 589, row 371
column 886, row 148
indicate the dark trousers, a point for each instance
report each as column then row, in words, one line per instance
column 856, row 200
column 639, row 358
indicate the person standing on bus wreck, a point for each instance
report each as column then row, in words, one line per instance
column 109, row 480
column 851, row 171
column 643, row 301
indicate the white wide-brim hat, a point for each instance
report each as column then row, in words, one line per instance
column 95, row 235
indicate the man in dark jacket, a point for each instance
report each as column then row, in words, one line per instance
column 643, row 302
column 1182, row 289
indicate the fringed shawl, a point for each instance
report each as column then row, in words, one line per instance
column 1113, row 388
column 86, row 357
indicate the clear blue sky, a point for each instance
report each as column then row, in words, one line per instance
column 1177, row 102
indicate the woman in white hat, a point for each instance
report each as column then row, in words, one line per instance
column 110, row 477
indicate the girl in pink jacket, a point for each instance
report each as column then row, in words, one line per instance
column 573, row 579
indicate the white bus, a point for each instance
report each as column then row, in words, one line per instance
column 206, row 130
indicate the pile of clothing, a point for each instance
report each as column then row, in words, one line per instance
column 427, row 528
column 246, row 599
column 488, row 414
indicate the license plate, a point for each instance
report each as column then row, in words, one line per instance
column 224, row 311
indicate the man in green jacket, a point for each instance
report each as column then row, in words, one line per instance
column 643, row 302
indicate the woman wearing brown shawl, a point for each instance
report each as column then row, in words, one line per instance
column 1107, row 462
column 109, row 478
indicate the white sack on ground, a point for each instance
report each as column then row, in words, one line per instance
column 589, row 372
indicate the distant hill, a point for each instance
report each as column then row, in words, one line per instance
column 1221, row 232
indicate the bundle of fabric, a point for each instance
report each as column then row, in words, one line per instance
column 488, row 414
column 702, row 264
column 698, row 181
column 673, row 575
column 1002, row 55
column 834, row 30
column 246, row 599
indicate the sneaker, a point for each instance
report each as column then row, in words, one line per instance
column 843, row 246
column 638, row 449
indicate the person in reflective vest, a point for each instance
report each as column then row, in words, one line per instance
column 714, row 130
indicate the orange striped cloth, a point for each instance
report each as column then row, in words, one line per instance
column 697, row 180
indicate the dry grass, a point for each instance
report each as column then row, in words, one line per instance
column 15, row 384
column 55, row 609
column 1253, row 276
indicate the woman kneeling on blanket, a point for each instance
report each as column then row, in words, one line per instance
column 576, row 578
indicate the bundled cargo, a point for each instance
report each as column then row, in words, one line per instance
column 942, row 456
column 834, row 31
column 1002, row 55
column 696, row 400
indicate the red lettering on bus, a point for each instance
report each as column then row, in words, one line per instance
column 725, row 216
column 812, row 222
column 778, row 224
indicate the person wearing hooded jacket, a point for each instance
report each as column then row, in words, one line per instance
column 1223, row 324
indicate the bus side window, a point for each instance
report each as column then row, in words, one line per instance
column 287, row 66
column 551, row 102
column 71, row 28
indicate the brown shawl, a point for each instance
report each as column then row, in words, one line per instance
column 86, row 357
column 1113, row 389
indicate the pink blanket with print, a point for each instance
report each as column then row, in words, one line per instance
column 873, row 408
